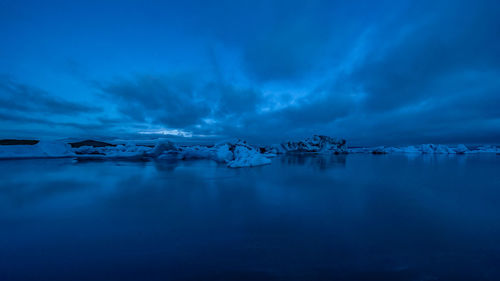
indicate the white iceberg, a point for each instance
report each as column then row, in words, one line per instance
column 128, row 150
column 237, row 153
column 42, row 149
column 224, row 153
column 246, row 157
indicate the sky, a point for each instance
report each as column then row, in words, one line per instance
column 373, row 72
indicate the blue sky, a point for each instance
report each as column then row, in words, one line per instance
column 391, row 72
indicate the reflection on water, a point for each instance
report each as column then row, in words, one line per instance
column 340, row 217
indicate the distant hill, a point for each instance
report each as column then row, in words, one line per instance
column 18, row 142
column 93, row 143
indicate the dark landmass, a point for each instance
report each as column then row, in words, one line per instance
column 18, row 142
column 90, row 143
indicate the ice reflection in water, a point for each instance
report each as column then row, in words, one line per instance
column 340, row 217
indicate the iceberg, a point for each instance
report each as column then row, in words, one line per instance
column 164, row 149
column 243, row 157
column 316, row 144
column 128, row 150
column 42, row 149
column 461, row 149
column 237, row 153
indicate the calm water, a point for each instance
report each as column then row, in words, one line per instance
column 355, row 217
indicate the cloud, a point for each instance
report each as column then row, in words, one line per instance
column 385, row 71
column 180, row 101
column 27, row 111
column 289, row 41
column 171, row 100
column 426, row 51
column 30, row 100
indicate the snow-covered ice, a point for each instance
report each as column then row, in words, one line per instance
column 43, row 149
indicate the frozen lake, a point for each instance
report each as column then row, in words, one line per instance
column 353, row 217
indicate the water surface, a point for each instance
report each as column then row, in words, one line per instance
column 354, row 217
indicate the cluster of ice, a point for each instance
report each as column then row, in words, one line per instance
column 484, row 149
column 42, row 149
column 316, row 144
column 427, row 149
column 235, row 153
column 128, row 150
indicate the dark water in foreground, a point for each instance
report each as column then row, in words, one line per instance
column 355, row 217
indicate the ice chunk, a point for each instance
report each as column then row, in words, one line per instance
column 461, row 149
column 163, row 146
column 316, row 144
column 197, row 152
column 223, row 153
column 237, row 153
column 246, row 157
column 43, row 149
